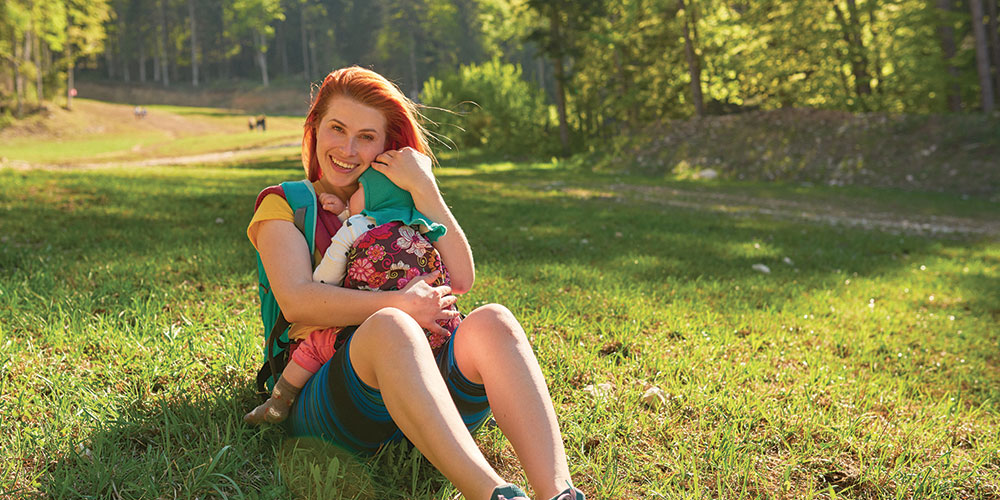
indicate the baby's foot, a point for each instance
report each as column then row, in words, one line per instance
column 275, row 409
column 272, row 411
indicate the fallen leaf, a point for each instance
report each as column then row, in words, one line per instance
column 654, row 397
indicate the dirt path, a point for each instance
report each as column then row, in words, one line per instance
column 818, row 212
column 215, row 157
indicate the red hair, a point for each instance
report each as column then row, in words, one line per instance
column 371, row 89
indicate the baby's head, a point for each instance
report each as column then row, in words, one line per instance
column 377, row 193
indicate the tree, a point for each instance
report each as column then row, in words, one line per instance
column 566, row 20
column 162, row 43
column 194, row 43
column 48, row 32
column 856, row 52
column 399, row 40
column 947, row 33
column 994, row 46
column 982, row 55
column 689, row 24
column 252, row 19
column 85, row 35
column 16, row 21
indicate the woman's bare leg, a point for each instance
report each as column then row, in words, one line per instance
column 492, row 349
column 390, row 352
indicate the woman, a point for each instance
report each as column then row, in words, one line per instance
column 384, row 382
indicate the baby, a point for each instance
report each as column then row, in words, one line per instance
column 386, row 251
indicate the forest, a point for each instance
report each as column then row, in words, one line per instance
column 582, row 68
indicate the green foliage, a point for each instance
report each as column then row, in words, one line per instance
column 494, row 109
column 85, row 32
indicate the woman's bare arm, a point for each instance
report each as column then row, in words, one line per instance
column 286, row 258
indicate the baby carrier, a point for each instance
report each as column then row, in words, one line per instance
column 302, row 199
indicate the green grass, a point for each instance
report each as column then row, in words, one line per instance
column 868, row 368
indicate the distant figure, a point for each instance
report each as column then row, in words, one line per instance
column 139, row 112
column 260, row 121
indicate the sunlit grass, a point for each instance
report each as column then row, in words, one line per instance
column 864, row 365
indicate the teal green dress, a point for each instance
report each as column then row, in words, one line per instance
column 387, row 202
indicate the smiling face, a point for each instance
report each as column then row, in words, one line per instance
column 348, row 137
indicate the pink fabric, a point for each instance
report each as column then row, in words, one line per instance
column 316, row 349
column 387, row 257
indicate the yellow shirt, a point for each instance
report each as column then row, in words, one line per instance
column 274, row 207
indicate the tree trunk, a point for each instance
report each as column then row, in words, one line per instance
column 163, row 44
column 261, row 55
column 317, row 73
column 18, row 77
column 876, row 53
column 541, row 73
column 305, row 43
column 560, row 77
column 694, row 65
column 851, row 31
column 624, row 84
column 39, row 81
column 123, row 57
column 281, row 46
column 194, row 44
column 982, row 55
column 994, row 26
column 27, row 56
column 142, row 61
column 862, row 79
column 70, row 80
column 414, row 82
column 109, row 59
column 947, row 34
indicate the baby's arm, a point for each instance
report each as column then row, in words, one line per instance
column 333, row 267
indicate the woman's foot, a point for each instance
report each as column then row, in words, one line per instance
column 570, row 493
column 508, row 492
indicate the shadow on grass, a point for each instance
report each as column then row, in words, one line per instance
column 129, row 218
column 177, row 445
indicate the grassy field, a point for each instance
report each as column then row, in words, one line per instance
column 865, row 364
column 100, row 133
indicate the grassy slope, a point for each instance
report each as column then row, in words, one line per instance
column 98, row 132
column 867, row 367
column 947, row 153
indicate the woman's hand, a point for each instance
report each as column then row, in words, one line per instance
column 407, row 168
column 411, row 170
column 427, row 304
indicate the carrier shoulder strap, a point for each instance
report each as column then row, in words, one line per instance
column 301, row 198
